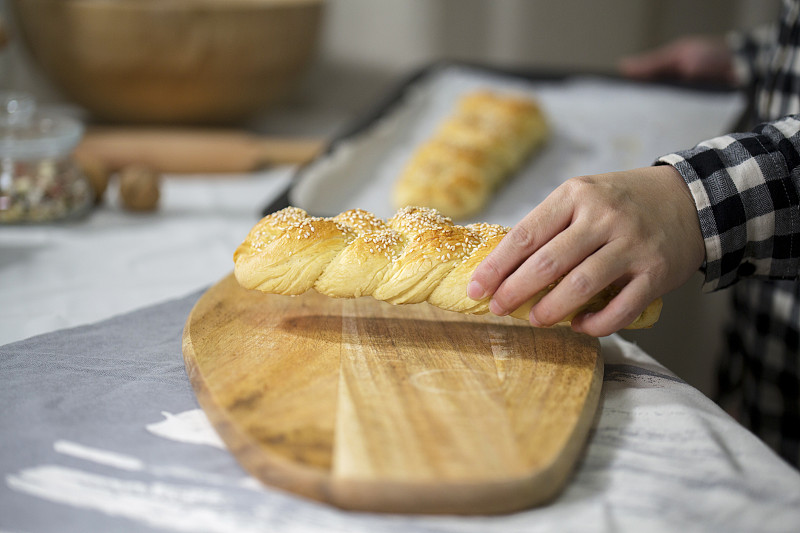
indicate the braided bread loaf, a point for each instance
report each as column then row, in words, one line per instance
column 417, row 255
column 476, row 148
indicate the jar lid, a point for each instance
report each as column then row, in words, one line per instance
column 28, row 133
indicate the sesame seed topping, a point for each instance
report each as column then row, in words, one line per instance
column 412, row 233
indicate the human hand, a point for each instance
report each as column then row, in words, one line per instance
column 688, row 58
column 636, row 229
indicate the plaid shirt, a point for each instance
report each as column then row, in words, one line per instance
column 746, row 187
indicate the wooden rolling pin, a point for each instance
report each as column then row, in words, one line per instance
column 192, row 151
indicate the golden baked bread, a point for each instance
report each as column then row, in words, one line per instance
column 474, row 150
column 418, row 255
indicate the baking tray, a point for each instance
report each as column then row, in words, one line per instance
column 600, row 123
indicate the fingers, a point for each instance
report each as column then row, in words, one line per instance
column 691, row 58
column 540, row 225
column 660, row 62
column 590, row 277
column 559, row 256
column 596, row 231
column 620, row 312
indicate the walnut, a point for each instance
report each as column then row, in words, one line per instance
column 139, row 188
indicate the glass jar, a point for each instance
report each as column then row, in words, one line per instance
column 39, row 179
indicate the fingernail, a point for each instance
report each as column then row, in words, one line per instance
column 533, row 321
column 495, row 308
column 475, row 290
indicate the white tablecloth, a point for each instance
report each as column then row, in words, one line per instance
column 57, row 276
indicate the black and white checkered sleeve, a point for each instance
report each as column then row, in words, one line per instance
column 746, row 187
column 752, row 51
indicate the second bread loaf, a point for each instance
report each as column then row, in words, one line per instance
column 473, row 151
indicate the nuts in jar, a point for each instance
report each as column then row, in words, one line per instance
column 39, row 180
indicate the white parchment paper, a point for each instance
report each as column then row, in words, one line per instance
column 598, row 125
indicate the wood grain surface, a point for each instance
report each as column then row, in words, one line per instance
column 192, row 150
column 375, row 407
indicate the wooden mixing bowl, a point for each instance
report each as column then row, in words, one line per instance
column 171, row 61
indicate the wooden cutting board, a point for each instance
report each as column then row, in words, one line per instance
column 376, row 407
